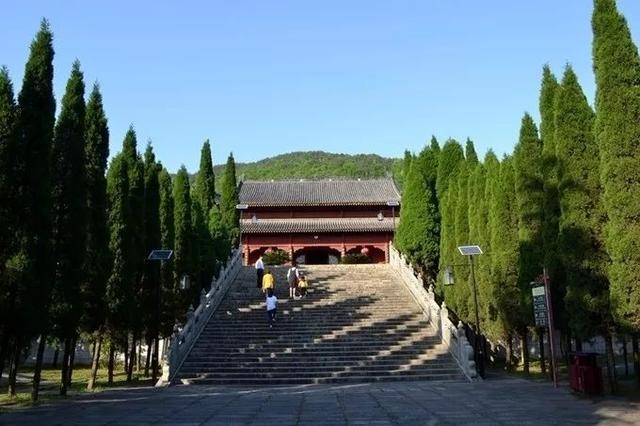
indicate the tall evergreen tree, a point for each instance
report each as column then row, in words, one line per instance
column 484, row 225
column 135, row 168
column 551, row 204
column 449, row 162
column 470, row 153
column 505, row 256
column 461, row 290
column 97, row 255
column 229, row 197
column 167, row 239
column 617, row 130
column 69, row 194
column 478, row 224
column 151, row 283
column 582, row 217
column 205, row 188
column 98, row 258
column 183, row 251
column 435, row 146
column 8, row 217
column 418, row 231
column 529, row 205
column 203, row 201
column 120, row 292
column 36, row 116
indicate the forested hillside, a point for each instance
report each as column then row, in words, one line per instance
column 317, row 164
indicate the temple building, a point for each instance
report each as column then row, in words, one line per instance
column 318, row 221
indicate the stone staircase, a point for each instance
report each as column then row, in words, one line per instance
column 358, row 323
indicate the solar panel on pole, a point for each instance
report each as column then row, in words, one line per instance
column 469, row 250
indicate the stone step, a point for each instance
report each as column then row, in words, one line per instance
column 356, row 324
column 444, row 377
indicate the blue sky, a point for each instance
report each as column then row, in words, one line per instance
column 265, row 77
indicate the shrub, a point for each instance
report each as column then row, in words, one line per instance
column 275, row 257
column 355, row 258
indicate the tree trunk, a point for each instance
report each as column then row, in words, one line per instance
column 139, row 357
column 132, row 360
column 14, row 364
column 64, row 374
column 635, row 349
column 154, row 362
column 56, row 354
column 4, row 350
column 543, row 367
column 525, row 351
column 611, row 362
column 126, row 354
column 625, row 356
column 112, row 355
column 148, row 360
column 38, row 368
column 509, row 354
column 72, row 359
column 97, row 346
column 578, row 345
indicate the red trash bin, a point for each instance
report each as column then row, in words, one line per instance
column 584, row 374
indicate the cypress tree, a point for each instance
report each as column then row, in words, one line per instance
column 551, row 204
column 96, row 136
column 98, row 258
column 582, row 217
column 418, row 231
column 484, row 225
column 119, row 291
column 478, row 225
column 617, row 130
column 8, row 217
column 203, row 201
column 33, row 260
column 69, row 218
column 167, row 238
column 505, row 255
column 135, row 168
column 183, row 251
column 470, row 153
column 450, row 159
column 435, row 146
column 529, row 205
column 229, row 198
column 448, row 238
column 461, row 290
column 151, row 284
column 220, row 236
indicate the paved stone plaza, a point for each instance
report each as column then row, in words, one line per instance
column 502, row 401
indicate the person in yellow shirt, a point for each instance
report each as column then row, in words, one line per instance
column 268, row 282
column 303, row 284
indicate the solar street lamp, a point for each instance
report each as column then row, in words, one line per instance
column 160, row 255
column 471, row 250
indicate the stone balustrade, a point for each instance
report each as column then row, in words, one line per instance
column 452, row 335
column 183, row 338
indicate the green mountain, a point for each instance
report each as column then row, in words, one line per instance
column 316, row 164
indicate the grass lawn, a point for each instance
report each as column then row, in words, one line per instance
column 49, row 385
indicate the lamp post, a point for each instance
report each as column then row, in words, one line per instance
column 160, row 255
column 478, row 349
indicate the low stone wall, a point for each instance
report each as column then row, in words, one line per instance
column 184, row 338
column 453, row 336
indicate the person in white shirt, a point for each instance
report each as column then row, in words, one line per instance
column 259, row 271
column 272, row 305
column 293, row 274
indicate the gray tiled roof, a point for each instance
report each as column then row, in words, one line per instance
column 320, row 225
column 338, row 192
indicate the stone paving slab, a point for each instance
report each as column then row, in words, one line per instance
column 493, row 402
